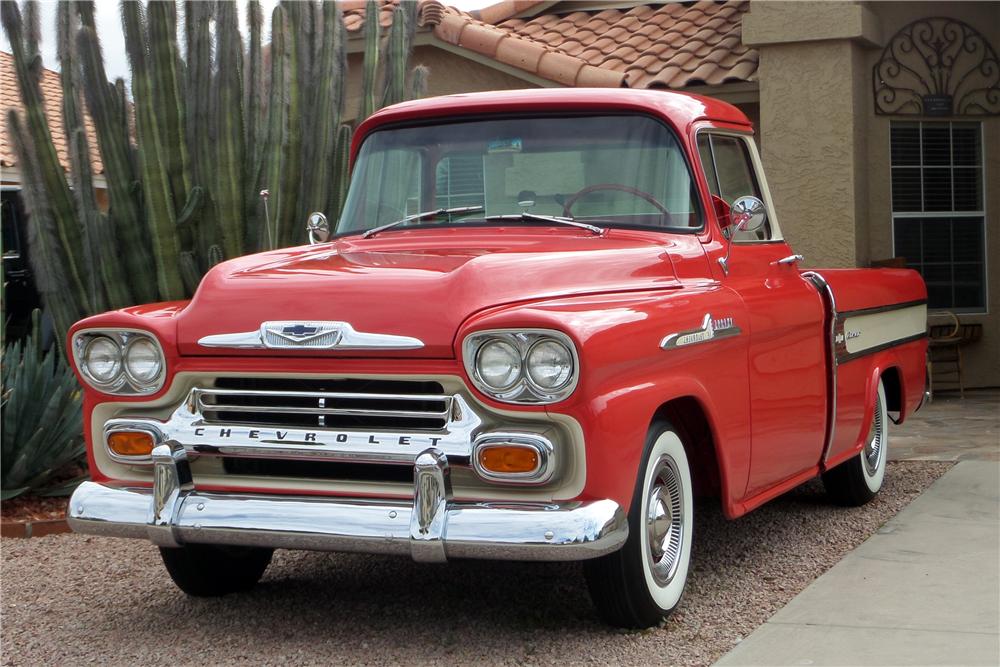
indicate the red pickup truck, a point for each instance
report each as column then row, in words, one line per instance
column 545, row 322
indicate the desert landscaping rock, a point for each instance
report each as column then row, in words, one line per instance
column 80, row 599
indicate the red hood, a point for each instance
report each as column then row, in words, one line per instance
column 421, row 284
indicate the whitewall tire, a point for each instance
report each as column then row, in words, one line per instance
column 859, row 479
column 642, row 583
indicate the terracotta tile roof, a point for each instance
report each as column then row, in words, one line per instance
column 661, row 45
column 10, row 97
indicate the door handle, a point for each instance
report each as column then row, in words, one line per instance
column 791, row 259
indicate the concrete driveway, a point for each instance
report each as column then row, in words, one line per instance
column 925, row 589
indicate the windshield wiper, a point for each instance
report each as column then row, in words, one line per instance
column 420, row 216
column 535, row 217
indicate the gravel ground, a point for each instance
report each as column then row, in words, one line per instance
column 79, row 599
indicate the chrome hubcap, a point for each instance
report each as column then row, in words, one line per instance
column 665, row 521
column 876, row 436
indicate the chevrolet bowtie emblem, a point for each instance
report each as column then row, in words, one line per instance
column 299, row 331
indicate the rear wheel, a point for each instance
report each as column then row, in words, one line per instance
column 858, row 480
column 642, row 583
column 207, row 570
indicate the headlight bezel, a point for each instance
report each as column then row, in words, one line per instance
column 123, row 383
column 524, row 391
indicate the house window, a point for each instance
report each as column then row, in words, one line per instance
column 460, row 181
column 938, row 216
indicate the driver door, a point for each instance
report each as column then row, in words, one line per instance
column 787, row 358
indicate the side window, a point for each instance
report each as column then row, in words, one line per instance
column 730, row 174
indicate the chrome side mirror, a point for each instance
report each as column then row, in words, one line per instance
column 318, row 228
column 748, row 214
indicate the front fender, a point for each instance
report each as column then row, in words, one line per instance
column 626, row 377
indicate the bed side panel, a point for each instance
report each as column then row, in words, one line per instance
column 880, row 323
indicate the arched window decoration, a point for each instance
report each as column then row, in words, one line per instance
column 937, row 67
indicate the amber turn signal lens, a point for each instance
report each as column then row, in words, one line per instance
column 131, row 443
column 508, row 459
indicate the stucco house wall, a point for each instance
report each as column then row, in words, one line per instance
column 826, row 151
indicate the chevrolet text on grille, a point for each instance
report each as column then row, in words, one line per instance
column 315, row 437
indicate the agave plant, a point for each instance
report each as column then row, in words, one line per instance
column 40, row 406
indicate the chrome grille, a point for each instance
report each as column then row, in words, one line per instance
column 339, row 403
column 321, row 340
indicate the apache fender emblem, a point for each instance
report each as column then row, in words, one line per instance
column 292, row 335
column 710, row 330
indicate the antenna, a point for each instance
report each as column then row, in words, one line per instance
column 265, row 195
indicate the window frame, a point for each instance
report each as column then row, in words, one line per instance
column 677, row 135
column 757, row 172
column 984, row 309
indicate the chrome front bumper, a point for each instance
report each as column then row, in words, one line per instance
column 431, row 529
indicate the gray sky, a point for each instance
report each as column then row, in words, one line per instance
column 110, row 31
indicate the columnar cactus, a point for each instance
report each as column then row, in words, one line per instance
column 167, row 80
column 397, row 52
column 186, row 158
column 108, row 111
column 28, row 67
column 325, row 108
column 157, row 197
column 227, row 112
column 370, row 73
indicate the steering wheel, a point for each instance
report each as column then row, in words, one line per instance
column 645, row 196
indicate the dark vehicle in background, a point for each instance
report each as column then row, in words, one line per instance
column 20, row 296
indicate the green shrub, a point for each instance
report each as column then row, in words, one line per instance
column 41, row 412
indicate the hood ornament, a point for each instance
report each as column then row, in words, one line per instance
column 311, row 335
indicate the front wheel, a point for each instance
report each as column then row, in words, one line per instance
column 856, row 481
column 642, row 583
column 207, row 570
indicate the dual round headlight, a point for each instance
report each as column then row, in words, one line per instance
column 531, row 366
column 119, row 362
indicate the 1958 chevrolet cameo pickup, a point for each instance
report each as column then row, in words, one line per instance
column 545, row 322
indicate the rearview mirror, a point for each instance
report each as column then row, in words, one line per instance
column 318, row 228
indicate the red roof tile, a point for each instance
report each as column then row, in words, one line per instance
column 671, row 45
column 10, row 98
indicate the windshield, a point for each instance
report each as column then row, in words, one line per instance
column 613, row 170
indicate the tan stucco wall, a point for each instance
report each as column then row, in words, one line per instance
column 807, row 125
column 825, row 150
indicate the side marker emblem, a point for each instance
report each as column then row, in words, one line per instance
column 709, row 330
